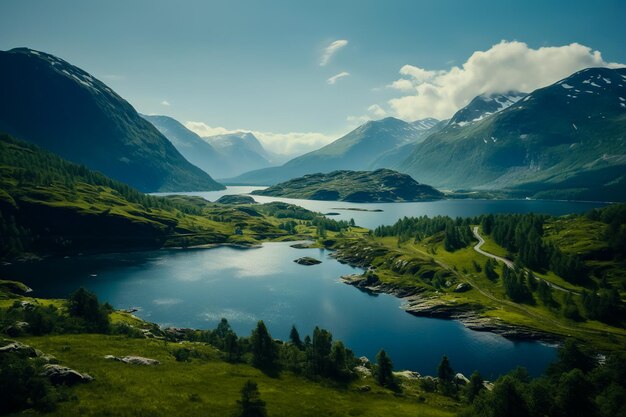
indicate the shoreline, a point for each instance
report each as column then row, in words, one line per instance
column 416, row 304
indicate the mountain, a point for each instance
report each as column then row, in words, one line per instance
column 221, row 156
column 358, row 150
column 393, row 157
column 190, row 145
column 60, row 107
column 383, row 185
column 484, row 105
column 567, row 140
column 243, row 150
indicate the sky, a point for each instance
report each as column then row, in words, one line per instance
column 301, row 74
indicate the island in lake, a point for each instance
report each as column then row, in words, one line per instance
column 380, row 186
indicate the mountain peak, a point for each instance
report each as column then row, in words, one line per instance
column 485, row 105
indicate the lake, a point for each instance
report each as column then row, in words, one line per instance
column 196, row 288
column 394, row 211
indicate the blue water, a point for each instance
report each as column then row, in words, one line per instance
column 394, row 211
column 196, row 288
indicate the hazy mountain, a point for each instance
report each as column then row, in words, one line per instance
column 358, row 150
column 60, row 107
column 567, row 140
column 197, row 151
column 243, row 150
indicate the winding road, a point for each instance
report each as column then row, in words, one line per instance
column 481, row 241
column 510, row 264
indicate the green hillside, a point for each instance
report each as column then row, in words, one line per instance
column 382, row 185
column 49, row 205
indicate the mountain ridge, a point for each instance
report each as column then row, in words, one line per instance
column 64, row 109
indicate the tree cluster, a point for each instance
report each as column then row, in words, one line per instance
column 575, row 386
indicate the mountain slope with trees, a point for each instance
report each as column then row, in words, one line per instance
column 62, row 108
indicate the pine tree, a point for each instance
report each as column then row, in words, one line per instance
column 250, row 402
column 294, row 336
column 264, row 351
column 384, row 370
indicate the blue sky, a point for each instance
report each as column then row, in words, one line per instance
column 255, row 65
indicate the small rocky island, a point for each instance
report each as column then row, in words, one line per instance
column 307, row 261
column 380, row 186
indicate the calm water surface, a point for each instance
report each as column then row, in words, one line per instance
column 195, row 288
column 394, row 211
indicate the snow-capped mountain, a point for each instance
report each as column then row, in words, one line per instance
column 567, row 140
column 357, row 150
column 485, row 105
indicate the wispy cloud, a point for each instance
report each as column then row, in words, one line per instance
column 331, row 50
column 504, row 67
column 335, row 78
column 165, row 103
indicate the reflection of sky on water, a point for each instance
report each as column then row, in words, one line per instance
column 196, row 288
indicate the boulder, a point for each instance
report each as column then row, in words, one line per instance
column 134, row 360
column 408, row 374
column 302, row 245
column 364, row 361
column 462, row 287
column 364, row 388
column 62, row 375
column 307, row 261
column 20, row 349
column 461, row 379
column 363, row 371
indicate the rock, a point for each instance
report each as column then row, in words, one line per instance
column 27, row 305
column 363, row 371
column 307, row 245
column 461, row 379
column 462, row 287
column 20, row 349
column 307, row 261
column 364, row 388
column 16, row 329
column 134, row 360
column 62, row 375
column 408, row 374
column 364, row 361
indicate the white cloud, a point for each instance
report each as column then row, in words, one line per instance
column 289, row 144
column 374, row 112
column 504, row 67
column 204, row 130
column 165, row 103
column 334, row 78
column 331, row 50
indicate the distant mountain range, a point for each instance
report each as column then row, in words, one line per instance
column 361, row 149
column 62, row 108
column 567, row 140
column 221, row 156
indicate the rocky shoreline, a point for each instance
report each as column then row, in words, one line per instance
column 421, row 305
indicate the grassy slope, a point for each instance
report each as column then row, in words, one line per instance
column 372, row 186
column 486, row 297
column 62, row 207
column 206, row 386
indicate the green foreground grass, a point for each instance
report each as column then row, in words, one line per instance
column 208, row 387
